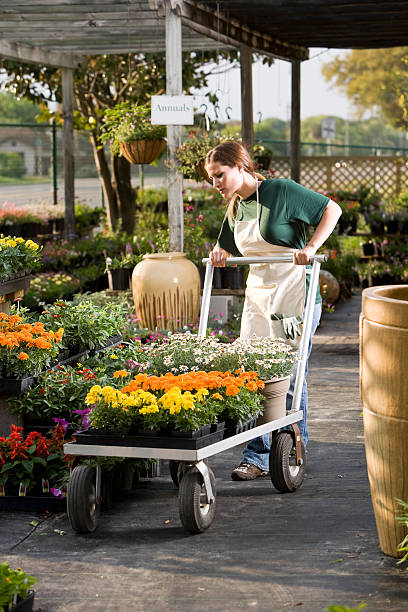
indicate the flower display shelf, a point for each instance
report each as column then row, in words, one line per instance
column 152, row 441
column 24, row 605
column 12, row 285
column 32, row 503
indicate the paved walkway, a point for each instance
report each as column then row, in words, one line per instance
column 265, row 551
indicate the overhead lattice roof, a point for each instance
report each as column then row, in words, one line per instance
column 59, row 31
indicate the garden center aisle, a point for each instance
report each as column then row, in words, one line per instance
column 265, row 550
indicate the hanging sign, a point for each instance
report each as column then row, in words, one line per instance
column 172, row 110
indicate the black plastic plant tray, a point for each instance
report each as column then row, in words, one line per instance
column 31, row 503
column 149, row 441
column 16, row 386
column 232, row 429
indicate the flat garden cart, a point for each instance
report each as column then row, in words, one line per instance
column 188, row 466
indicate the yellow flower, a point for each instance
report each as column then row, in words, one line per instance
column 113, row 356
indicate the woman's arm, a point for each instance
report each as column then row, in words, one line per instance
column 323, row 230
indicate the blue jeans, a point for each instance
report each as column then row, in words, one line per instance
column 257, row 451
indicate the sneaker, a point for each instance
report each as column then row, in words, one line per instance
column 248, row 471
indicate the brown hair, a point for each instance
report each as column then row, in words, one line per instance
column 232, row 153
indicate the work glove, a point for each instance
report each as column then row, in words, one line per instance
column 291, row 325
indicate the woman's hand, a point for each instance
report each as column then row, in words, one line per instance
column 302, row 257
column 218, row 257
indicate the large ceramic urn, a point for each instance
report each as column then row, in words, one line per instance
column 166, row 291
column 384, row 395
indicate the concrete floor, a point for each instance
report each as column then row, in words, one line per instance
column 265, row 550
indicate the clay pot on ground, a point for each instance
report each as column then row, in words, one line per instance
column 166, row 291
column 384, row 395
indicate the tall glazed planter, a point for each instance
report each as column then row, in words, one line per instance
column 384, row 395
column 166, row 291
column 274, row 402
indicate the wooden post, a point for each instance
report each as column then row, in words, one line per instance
column 295, row 123
column 247, row 113
column 69, row 181
column 174, row 132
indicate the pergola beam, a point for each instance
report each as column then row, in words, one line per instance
column 34, row 55
column 231, row 32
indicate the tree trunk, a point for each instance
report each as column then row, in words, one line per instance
column 109, row 193
column 126, row 195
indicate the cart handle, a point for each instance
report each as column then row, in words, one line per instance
column 242, row 261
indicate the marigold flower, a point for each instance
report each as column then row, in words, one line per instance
column 23, row 356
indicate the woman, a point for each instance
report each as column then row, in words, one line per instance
column 268, row 217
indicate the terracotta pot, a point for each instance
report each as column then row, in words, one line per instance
column 384, row 395
column 166, row 291
column 275, row 392
column 142, row 151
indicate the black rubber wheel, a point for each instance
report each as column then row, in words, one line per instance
column 196, row 513
column 286, row 476
column 82, row 506
column 173, row 467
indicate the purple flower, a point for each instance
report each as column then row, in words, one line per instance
column 57, row 492
column 63, row 422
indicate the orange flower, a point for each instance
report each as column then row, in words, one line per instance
column 217, row 396
column 23, row 356
column 120, row 374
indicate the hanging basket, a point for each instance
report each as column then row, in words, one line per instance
column 142, row 151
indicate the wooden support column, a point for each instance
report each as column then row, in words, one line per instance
column 69, row 181
column 247, row 113
column 174, row 132
column 295, row 123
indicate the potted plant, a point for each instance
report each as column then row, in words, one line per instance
column 18, row 257
column 191, row 154
column 262, row 156
column 15, row 589
column 129, row 131
column 26, row 349
column 119, row 269
column 31, row 466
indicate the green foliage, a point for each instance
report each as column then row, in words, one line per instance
column 338, row 608
column 374, row 78
column 49, row 287
column 85, row 324
column 126, row 122
column 17, row 254
column 15, row 110
column 403, row 518
column 11, row 164
column 13, row 584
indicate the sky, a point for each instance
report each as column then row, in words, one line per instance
column 272, row 90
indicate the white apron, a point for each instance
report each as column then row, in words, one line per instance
column 271, row 288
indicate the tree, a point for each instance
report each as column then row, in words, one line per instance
column 374, row 79
column 17, row 111
column 101, row 82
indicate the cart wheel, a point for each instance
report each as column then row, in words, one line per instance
column 196, row 513
column 173, row 467
column 286, row 476
column 82, row 506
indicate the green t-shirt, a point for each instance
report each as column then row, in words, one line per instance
column 286, row 208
